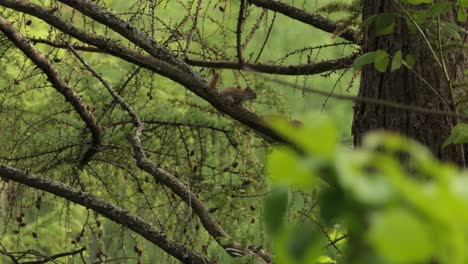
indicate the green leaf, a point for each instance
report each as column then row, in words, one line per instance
column 368, row 21
column 305, row 237
column 399, row 236
column 287, row 168
column 303, row 244
column 462, row 15
column 367, row 186
column 333, row 203
column 381, row 60
column 463, row 3
column 458, row 135
column 385, row 24
column 315, row 126
column 364, row 59
column 226, row 241
column 421, row 16
column 397, row 60
column 409, row 61
column 451, row 30
column 440, row 8
column 276, row 205
column 411, row 27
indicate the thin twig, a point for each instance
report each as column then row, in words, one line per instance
column 240, row 21
column 368, row 100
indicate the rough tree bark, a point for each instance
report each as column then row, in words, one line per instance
column 425, row 85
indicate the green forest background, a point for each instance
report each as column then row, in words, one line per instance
column 239, row 176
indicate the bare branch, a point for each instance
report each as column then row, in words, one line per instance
column 53, row 76
column 254, row 29
column 240, row 21
column 114, row 213
column 194, row 28
column 183, row 191
column 177, row 186
column 177, row 72
column 46, row 259
column 305, row 69
column 64, row 46
column 128, row 31
column 314, row 20
column 109, row 88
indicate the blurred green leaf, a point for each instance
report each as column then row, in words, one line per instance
column 276, row 205
column 385, row 24
column 302, row 244
column 400, row 236
column 316, row 126
column 287, row 168
column 365, row 183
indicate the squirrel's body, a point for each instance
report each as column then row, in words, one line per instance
column 237, row 96
column 232, row 95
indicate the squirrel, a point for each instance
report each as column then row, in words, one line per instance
column 238, row 96
column 232, row 95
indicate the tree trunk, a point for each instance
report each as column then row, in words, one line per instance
column 425, row 86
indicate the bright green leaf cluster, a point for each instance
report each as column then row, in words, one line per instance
column 418, row 21
column 381, row 60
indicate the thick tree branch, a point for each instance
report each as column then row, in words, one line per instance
column 116, row 214
column 314, row 20
column 305, row 69
column 165, row 178
column 53, row 76
column 128, row 31
column 182, row 75
column 191, row 199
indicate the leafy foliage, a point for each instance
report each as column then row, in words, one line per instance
column 419, row 20
column 395, row 201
